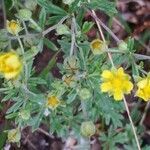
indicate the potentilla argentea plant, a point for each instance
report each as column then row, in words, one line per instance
column 88, row 98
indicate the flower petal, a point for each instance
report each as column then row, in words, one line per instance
column 118, row 95
column 105, row 87
column 142, row 83
column 107, row 74
column 128, row 86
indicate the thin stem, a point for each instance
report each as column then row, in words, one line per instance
column 25, row 36
column 142, row 71
column 73, row 36
column 25, row 64
column 20, row 43
column 99, row 27
column 145, row 112
column 54, row 26
column 141, row 57
column 115, row 51
column 83, row 106
column 131, row 122
column 25, row 27
column 4, row 12
column 46, row 133
column 93, row 14
column 105, row 27
column 29, row 142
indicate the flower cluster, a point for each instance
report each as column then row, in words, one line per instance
column 10, row 65
column 117, row 83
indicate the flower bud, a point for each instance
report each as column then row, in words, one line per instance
column 14, row 135
column 97, row 46
column 25, row 14
column 13, row 27
column 31, row 4
column 88, row 128
column 123, row 46
column 62, row 29
column 25, row 114
column 84, row 94
column 52, row 102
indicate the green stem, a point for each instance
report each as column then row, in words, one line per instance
column 84, row 109
column 20, row 43
column 132, row 124
column 25, row 64
column 25, row 27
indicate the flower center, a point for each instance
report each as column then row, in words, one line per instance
column 96, row 45
column 53, row 102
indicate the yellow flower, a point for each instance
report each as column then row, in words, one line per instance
column 97, row 46
column 10, row 65
column 13, row 27
column 116, row 83
column 144, row 89
column 53, row 102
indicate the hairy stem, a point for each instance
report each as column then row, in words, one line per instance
column 145, row 112
column 93, row 14
column 20, row 43
column 131, row 122
column 73, row 40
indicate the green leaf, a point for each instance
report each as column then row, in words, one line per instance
column 51, row 8
column 110, row 110
column 42, row 18
column 37, row 81
column 37, row 119
column 9, row 94
column 50, row 65
column 106, row 6
column 3, row 138
column 111, row 140
column 12, row 115
column 130, row 45
column 40, row 46
column 54, row 19
column 80, row 16
column 71, row 96
column 74, row 6
column 87, row 26
column 50, row 44
column 65, row 45
column 16, row 106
